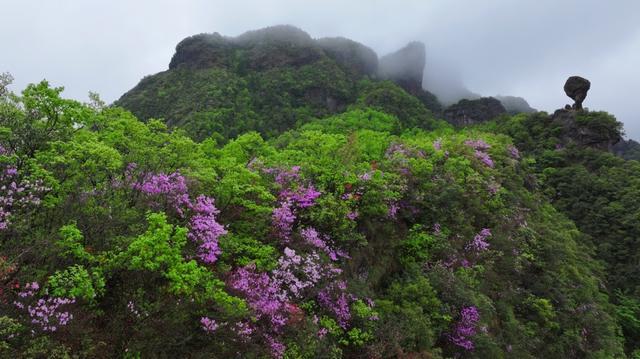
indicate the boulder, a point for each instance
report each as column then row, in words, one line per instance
column 577, row 87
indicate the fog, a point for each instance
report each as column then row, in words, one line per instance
column 490, row 47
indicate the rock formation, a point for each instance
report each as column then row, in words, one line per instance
column 352, row 56
column 590, row 129
column 515, row 105
column 263, row 49
column 577, row 87
column 469, row 112
column 405, row 66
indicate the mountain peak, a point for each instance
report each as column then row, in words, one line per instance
column 405, row 66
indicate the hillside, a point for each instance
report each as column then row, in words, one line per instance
column 274, row 195
column 269, row 80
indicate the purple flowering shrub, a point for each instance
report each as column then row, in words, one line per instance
column 17, row 194
column 172, row 189
column 480, row 152
column 205, row 230
column 46, row 313
column 479, row 242
column 465, row 328
column 166, row 188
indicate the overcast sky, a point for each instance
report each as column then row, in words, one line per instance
column 508, row 47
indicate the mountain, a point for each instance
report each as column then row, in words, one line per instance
column 628, row 149
column 515, row 105
column 271, row 79
column 275, row 195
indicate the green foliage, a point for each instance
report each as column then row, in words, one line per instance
column 77, row 282
column 71, row 243
column 400, row 196
column 9, row 328
column 388, row 97
column 594, row 188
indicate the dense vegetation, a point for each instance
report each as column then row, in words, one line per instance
column 250, row 223
column 267, row 81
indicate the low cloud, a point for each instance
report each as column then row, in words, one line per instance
column 523, row 48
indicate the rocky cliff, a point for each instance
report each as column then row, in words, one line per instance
column 469, row 112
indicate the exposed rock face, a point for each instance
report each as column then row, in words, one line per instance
column 405, row 66
column 469, row 112
column 577, row 87
column 515, row 105
column 586, row 129
column 202, row 51
column 627, row 149
column 354, row 57
column 263, row 49
column 280, row 69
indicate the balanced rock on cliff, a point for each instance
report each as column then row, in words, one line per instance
column 577, row 87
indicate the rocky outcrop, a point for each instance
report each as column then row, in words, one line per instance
column 469, row 112
column 627, row 149
column 577, row 87
column 202, row 51
column 590, row 129
column 515, row 105
column 263, row 49
column 352, row 56
column 405, row 67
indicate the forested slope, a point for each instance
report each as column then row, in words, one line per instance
column 250, row 221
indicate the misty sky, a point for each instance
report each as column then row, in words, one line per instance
column 507, row 47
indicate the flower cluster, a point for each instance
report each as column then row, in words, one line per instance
column 396, row 148
column 311, row 236
column 299, row 272
column 366, row 176
column 437, row 229
column 293, row 195
column 302, row 196
column 275, row 346
column 263, row 294
column 513, row 152
column 437, row 145
column 465, row 328
column 205, row 230
column 208, row 325
column 393, row 210
column 173, row 187
column 30, row 289
column 481, row 148
column 16, row 194
column 131, row 306
column 479, row 145
column 336, row 299
column 45, row 313
column 283, row 219
column 479, row 243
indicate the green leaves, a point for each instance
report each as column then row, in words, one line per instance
column 77, row 282
column 159, row 247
